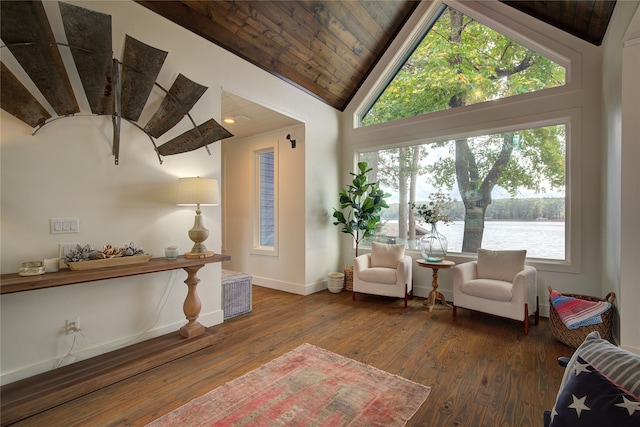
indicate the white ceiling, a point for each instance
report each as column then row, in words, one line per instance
column 251, row 118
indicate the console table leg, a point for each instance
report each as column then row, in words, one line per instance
column 192, row 304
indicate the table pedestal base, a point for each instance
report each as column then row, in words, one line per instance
column 433, row 296
column 192, row 304
column 435, row 293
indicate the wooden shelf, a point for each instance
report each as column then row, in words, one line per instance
column 10, row 283
column 30, row 396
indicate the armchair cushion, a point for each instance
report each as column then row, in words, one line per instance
column 496, row 290
column 380, row 275
column 500, row 265
column 388, row 256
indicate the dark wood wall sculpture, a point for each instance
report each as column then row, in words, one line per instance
column 119, row 89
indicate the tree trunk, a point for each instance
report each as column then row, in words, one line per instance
column 475, row 205
column 473, row 228
column 476, row 192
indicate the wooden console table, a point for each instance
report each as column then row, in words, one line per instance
column 30, row 396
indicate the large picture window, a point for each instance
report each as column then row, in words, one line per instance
column 508, row 190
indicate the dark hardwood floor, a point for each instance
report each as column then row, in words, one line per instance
column 483, row 370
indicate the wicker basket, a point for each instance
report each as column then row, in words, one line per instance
column 575, row 337
column 348, row 278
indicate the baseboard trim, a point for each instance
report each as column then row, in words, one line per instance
column 293, row 288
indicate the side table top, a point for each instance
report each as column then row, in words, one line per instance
column 445, row 263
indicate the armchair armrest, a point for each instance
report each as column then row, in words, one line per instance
column 524, row 285
column 361, row 262
column 464, row 272
column 404, row 270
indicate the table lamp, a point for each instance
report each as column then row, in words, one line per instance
column 198, row 192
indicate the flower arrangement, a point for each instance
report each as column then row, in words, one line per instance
column 434, row 210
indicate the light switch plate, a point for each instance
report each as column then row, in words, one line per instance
column 64, row 225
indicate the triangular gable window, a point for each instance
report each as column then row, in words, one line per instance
column 460, row 62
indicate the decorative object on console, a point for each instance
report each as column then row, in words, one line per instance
column 198, row 192
column 171, row 252
column 31, row 268
column 87, row 258
column 51, row 265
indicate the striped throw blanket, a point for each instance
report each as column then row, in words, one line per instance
column 576, row 312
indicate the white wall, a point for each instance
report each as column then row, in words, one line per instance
column 284, row 270
column 66, row 170
column 630, row 201
column 307, row 240
column 580, row 100
column 621, row 156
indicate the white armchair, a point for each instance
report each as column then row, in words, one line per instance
column 498, row 283
column 385, row 271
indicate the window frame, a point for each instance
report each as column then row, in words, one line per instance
column 571, row 119
column 257, row 247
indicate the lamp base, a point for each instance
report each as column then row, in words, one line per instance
column 195, row 255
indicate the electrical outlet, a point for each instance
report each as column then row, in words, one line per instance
column 72, row 326
column 64, row 249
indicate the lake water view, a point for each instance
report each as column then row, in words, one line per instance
column 541, row 239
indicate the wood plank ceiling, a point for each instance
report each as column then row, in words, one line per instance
column 328, row 48
column 585, row 19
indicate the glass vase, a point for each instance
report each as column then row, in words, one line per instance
column 433, row 245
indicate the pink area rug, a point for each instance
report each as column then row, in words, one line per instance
column 308, row 386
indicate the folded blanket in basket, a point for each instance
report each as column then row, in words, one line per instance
column 576, row 312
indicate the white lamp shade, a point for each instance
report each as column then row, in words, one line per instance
column 198, row 191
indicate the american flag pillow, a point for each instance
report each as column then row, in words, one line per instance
column 588, row 398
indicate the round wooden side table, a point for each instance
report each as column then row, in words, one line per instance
column 435, row 293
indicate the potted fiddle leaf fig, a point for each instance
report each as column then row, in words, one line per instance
column 360, row 206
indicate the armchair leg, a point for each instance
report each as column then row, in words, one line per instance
column 526, row 319
column 455, row 310
column 537, row 314
column 353, row 295
column 406, row 295
column 412, row 288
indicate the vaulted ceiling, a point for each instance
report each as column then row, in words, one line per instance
column 328, row 48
